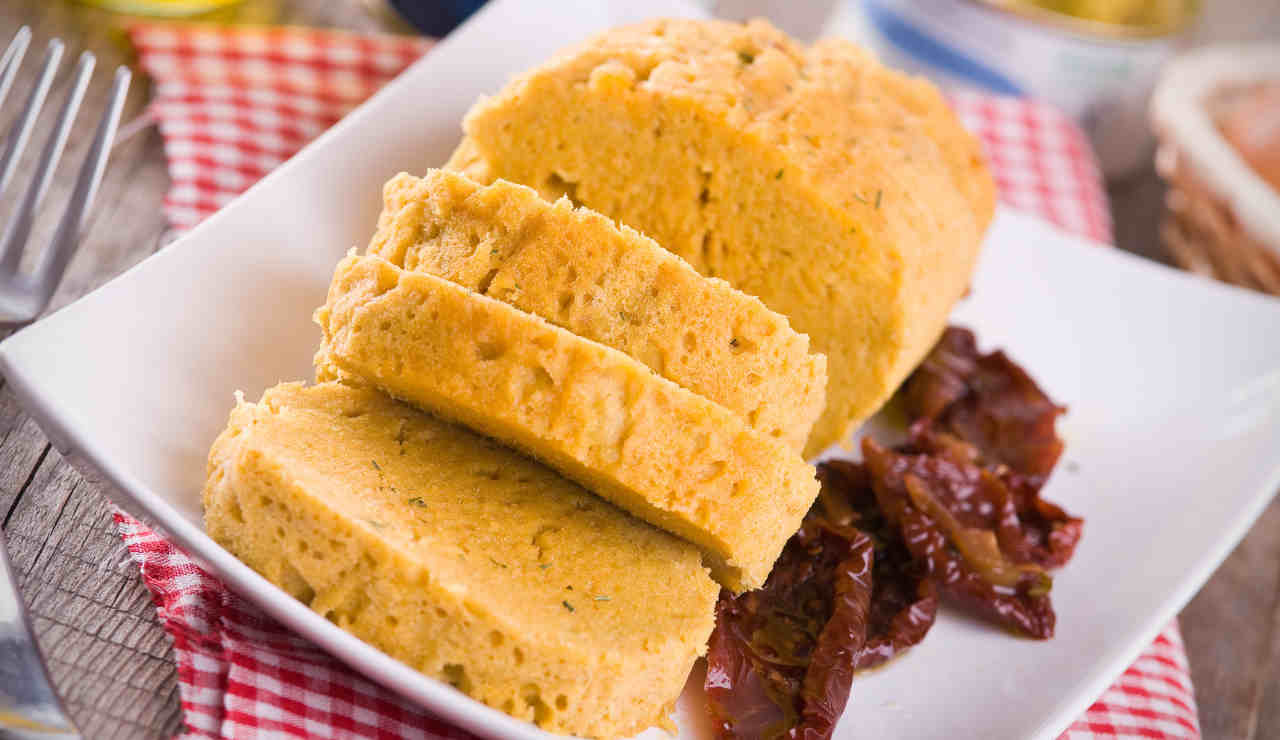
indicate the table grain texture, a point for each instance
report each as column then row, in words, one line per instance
column 110, row 658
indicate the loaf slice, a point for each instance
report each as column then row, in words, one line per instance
column 461, row 558
column 668, row 455
column 577, row 269
column 844, row 195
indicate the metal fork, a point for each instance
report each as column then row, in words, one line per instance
column 29, row 705
column 24, row 296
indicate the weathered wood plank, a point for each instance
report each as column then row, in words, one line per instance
column 1230, row 631
column 109, row 656
column 1137, row 203
column 1268, row 725
column 21, row 448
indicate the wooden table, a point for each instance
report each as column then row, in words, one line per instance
column 109, row 656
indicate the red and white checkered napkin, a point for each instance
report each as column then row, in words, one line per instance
column 234, row 103
column 1041, row 161
column 231, row 105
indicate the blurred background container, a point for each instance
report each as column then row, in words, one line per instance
column 1137, row 194
column 170, row 8
column 1097, row 60
column 1216, row 112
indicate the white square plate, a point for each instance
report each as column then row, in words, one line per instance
column 1173, row 385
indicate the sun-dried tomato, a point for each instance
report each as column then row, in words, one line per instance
column 830, row 672
column 781, row 658
column 944, row 517
column 987, row 401
column 904, row 602
column 846, row 594
column 955, row 510
column 942, row 378
column 985, row 410
column 1030, row 529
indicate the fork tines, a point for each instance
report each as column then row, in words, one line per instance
column 19, row 295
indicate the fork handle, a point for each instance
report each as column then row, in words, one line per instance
column 29, row 706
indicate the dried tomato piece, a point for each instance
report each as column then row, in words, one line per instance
column 988, row 401
column 985, row 410
column 956, row 511
column 1052, row 534
column 780, row 661
column 944, row 516
column 744, row 697
column 830, row 673
column 845, row 595
column 1029, row 528
column 942, row 378
column 904, row 602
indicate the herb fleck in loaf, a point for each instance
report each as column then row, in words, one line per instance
column 844, row 194
column 600, row 417
column 577, row 269
column 461, row 558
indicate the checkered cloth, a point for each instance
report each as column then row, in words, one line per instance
column 1041, row 161
column 231, row 105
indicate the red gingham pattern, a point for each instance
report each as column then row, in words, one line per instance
column 231, row 105
column 1041, row 160
column 242, row 675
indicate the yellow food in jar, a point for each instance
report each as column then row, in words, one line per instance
column 1146, row 14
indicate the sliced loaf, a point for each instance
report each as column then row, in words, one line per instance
column 579, row 270
column 461, row 558
column 666, row 454
column 844, row 194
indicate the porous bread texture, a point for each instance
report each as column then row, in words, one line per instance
column 579, row 270
column 844, row 195
column 461, row 558
column 669, row 456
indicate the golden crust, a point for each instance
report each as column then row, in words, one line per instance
column 579, row 270
column 666, row 454
column 843, row 194
column 461, row 558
